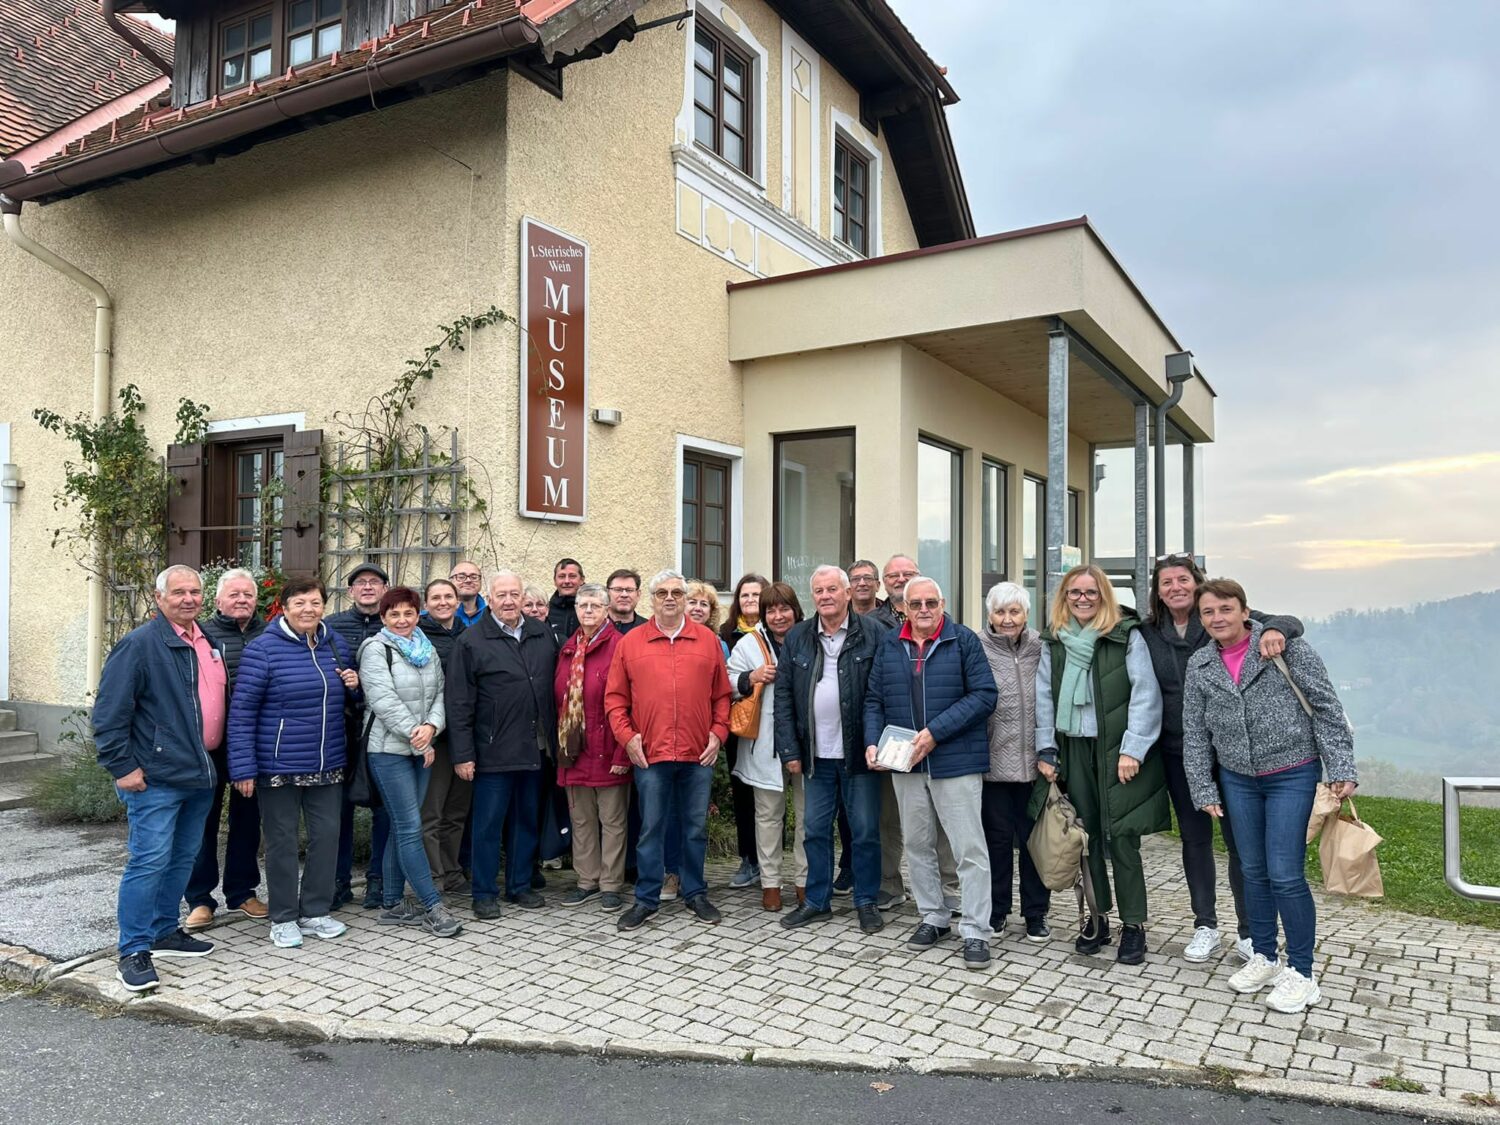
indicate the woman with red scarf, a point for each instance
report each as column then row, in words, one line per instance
column 592, row 766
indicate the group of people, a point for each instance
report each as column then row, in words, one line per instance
column 464, row 717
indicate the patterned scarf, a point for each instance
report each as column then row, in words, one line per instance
column 416, row 649
column 1073, row 693
column 570, row 726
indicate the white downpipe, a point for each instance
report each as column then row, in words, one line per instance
column 104, row 320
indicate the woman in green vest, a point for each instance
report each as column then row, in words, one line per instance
column 1098, row 712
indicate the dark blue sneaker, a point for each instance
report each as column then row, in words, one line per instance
column 137, row 973
column 181, row 944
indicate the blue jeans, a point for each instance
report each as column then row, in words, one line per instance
column 507, row 802
column 380, row 830
column 830, row 781
column 664, row 789
column 1270, row 829
column 166, row 831
column 402, row 781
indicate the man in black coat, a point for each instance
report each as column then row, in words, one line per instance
column 367, row 585
column 567, row 576
column 234, row 626
column 502, row 733
column 820, row 703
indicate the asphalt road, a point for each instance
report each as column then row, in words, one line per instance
column 60, row 1064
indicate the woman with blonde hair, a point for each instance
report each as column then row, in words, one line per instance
column 1098, row 713
column 703, row 607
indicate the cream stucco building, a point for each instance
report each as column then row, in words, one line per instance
column 797, row 351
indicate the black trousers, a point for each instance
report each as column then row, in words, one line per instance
column 241, row 846
column 1007, row 828
column 1196, row 828
column 743, row 799
column 317, row 808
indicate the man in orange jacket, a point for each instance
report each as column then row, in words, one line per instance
column 668, row 705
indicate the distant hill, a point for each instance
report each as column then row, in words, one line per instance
column 1422, row 686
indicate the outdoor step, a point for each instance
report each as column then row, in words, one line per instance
column 14, row 795
column 7, row 720
column 20, row 758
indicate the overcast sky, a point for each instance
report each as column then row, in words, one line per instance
column 1307, row 193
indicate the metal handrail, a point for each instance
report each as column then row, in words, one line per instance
column 1452, row 787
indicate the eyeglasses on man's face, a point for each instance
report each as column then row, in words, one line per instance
column 923, row 603
column 863, row 580
column 461, row 576
column 669, row 595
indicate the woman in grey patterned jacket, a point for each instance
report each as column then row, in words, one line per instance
column 1274, row 728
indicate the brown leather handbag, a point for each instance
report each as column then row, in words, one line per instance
column 744, row 713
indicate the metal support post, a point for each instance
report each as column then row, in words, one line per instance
column 1179, row 371
column 1142, row 549
column 1057, row 459
column 1189, row 468
column 1452, row 872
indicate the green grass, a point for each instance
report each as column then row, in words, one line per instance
column 1411, row 858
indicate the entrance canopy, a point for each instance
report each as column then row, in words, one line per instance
column 1044, row 317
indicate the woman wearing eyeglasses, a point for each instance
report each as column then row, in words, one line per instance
column 1174, row 633
column 744, row 616
column 1098, row 713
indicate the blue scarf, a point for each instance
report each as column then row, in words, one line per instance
column 416, row 649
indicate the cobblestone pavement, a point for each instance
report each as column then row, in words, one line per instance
column 1404, row 995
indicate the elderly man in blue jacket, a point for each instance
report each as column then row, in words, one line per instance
column 931, row 676
column 160, row 712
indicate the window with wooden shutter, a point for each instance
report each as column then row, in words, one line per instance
column 302, row 506
column 186, row 466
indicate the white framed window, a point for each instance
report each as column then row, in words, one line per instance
column 855, row 173
column 723, row 115
column 710, row 503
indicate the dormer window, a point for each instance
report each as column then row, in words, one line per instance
column 315, row 29
column 261, row 42
column 245, row 50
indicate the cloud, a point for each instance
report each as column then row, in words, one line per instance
column 1361, row 554
column 1270, row 519
column 1431, row 467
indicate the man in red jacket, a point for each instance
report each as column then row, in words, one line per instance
column 668, row 704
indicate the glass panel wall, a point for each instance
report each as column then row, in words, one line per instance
column 992, row 550
column 814, row 518
column 940, row 520
column 1033, row 546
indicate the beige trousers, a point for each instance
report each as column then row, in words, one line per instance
column 770, row 827
column 599, row 820
column 892, row 844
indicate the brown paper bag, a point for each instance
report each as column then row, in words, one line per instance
column 1347, row 851
column 1325, row 805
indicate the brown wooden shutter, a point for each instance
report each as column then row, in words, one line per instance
column 185, row 504
column 302, row 508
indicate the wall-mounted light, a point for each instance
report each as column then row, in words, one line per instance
column 10, row 484
column 607, row 417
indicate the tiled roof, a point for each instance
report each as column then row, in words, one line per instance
column 461, row 17
column 59, row 60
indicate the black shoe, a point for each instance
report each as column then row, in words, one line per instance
column 997, row 923
column 137, row 973
column 374, row 894
column 1132, row 945
column 538, row 880
column 579, row 895
column 844, row 884
column 1037, row 931
column 527, row 900
column 343, row 895
column 487, row 908
column 635, row 917
column 927, row 935
column 181, row 944
column 1095, row 936
column 870, row 920
column 976, row 953
column 705, row 910
column 805, row 914
column 611, row 901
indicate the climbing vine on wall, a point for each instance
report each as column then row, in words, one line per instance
column 116, row 486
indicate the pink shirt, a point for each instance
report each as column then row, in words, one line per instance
column 212, row 681
column 1234, row 658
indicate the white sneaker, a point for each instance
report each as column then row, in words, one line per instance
column 324, row 927
column 1293, row 993
column 1257, row 974
column 1204, row 945
column 286, row 935
column 1244, row 949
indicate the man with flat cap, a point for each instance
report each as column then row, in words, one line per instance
column 367, row 584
